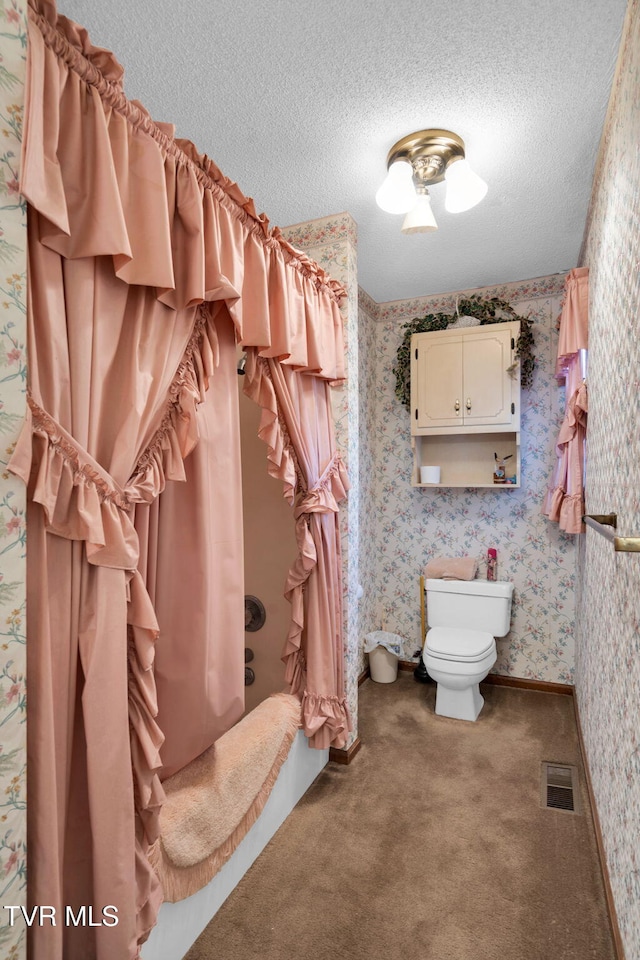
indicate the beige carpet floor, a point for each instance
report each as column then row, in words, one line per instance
column 431, row 845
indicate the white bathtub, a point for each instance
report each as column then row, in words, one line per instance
column 180, row 924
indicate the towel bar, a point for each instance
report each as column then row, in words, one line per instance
column 605, row 524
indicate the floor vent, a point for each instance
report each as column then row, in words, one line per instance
column 560, row 787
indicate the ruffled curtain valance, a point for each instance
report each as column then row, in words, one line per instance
column 564, row 500
column 165, row 213
column 573, row 333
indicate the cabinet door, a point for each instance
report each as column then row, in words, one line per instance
column 487, row 385
column 436, row 380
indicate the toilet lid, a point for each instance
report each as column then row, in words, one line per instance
column 449, row 643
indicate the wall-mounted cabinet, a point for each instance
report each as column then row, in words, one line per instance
column 465, row 404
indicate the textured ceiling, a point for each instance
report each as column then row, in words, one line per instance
column 300, row 104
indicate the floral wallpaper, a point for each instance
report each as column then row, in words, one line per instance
column 414, row 525
column 368, row 608
column 13, row 43
column 331, row 242
column 608, row 614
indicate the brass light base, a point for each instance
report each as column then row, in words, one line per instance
column 429, row 152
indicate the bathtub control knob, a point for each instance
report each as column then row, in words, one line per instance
column 254, row 614
column 249, row 676
column 248, row 654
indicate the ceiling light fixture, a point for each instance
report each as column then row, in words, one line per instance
column 420, row 160
column 420, row 218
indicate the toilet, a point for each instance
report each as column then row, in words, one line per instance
column 465, row 617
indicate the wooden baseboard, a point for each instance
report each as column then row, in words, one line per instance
column 608, row 892
column 340, row 755
column 542, row 686
column 403, row 665
column 407, row 664
column 366, row 673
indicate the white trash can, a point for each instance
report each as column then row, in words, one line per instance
column 383, row 665
column 384, row 652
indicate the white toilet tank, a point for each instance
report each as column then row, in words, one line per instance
column 470, row 604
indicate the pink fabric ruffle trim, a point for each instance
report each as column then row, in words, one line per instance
column 564, row 501
column 177, row 434
column 566, row 510
column 281, row 462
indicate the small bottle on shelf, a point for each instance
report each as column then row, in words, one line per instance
column 492, row 564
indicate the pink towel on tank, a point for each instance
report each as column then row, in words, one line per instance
column 451, row 568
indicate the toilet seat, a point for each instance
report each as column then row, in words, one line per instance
column 455, row 644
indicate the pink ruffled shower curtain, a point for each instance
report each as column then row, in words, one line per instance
column 191, row 545
column 297, row 426
column 564, row 501
column 143, row 258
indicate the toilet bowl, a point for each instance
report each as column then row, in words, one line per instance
column 458, row 660
column 465, row 617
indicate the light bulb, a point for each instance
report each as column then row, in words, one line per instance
column 397, row 194
column 420, row 218
column 464, row 187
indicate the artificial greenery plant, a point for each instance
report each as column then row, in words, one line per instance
column 491, row 310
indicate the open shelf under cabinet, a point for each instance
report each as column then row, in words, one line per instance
column 466, row 460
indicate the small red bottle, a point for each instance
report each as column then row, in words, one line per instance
column 492, row 564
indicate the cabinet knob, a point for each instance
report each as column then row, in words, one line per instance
column 457, row 407
column 468, row 404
